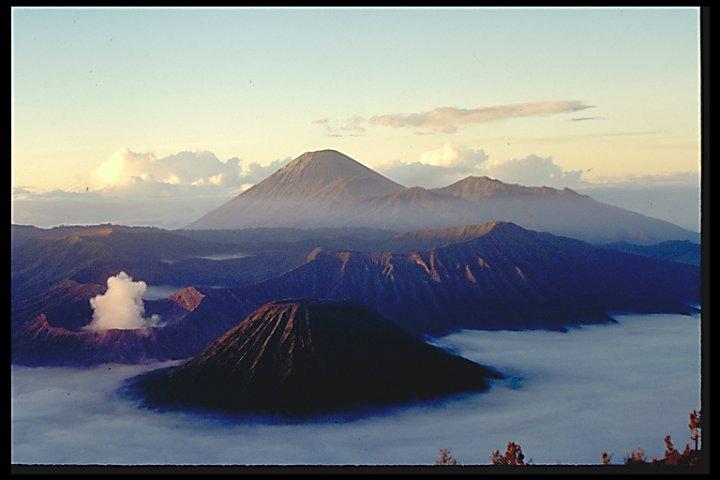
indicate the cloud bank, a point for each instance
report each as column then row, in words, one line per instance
column 535, row 170
column 437, row 168
column 121, row 306
column 450, row 163
column 570, row 397
column 137, row 188
column 126, row 170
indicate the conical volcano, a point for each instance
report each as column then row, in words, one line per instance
column 324, row 174
column 314, row 189
column 313, row 356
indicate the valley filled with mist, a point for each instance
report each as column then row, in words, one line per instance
column 567, row 398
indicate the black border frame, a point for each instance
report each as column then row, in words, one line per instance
column 701, row 469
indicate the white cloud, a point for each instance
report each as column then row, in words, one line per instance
column 136, row 188
column 534, row 170
column 125, row 167
column 121, row 306
column 448, row 119
column 453, row 157
column 438, row 167
column 350, row 127
column 451, row 163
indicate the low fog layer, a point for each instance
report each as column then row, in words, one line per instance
column 569, row 397
column 121, row 306
column 156, row 292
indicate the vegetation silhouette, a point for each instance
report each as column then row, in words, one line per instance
column 689, row 457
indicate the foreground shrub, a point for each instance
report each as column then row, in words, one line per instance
column 446, row 458
column 513, row 456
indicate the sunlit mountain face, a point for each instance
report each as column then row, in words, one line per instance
column 329, row 189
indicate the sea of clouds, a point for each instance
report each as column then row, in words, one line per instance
column 568, row 397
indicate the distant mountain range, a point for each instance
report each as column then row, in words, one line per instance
column 329, row 189
column 43, row 257
column 502, row 277
column 681, row 251
column 300, row 357
column 492, row 276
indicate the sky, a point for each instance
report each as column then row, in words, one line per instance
column 544, row 96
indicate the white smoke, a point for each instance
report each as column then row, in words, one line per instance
column 121, row 306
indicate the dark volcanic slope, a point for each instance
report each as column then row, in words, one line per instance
column 494, row 276
column 312, row 356
column 68, row 301
column 159, row 257
column 506, row 278
column 54, row 336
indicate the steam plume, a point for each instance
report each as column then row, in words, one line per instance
column 121, row 306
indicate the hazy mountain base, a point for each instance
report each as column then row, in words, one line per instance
column 329, row 189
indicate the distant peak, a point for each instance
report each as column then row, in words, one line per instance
column 326, row 151
column 463, row 232
column 322, row 174
column 482, row 178
column 329, row 162
column 323, row 156
column 475, row 188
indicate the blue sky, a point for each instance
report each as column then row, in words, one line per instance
column 253, row 83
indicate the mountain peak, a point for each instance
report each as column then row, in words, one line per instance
column 326, row 174
column 477, row 188
column 460, row 233
column 328, row 158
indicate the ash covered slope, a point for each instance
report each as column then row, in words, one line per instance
column 312, row 356
column 504, row 278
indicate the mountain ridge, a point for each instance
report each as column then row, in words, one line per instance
column 501, row 277
column 327, row 189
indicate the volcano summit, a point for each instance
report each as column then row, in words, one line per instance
column 298, row 357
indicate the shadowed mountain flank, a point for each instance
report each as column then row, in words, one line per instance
column 312, row 356
column 504, row 278
column 492, row 276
